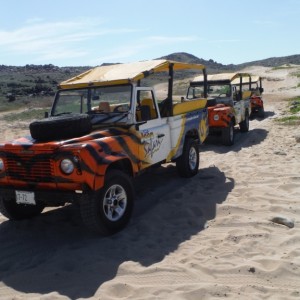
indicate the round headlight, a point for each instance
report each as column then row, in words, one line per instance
column 216, row 117
column 67, row 166
column 1, row 165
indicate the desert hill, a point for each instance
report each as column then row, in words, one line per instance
column 22, row 84
column 215, row 67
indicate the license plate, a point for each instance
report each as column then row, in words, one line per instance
column 23, row 197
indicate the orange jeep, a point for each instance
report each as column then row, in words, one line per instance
column 105, row 127
column 228, row 102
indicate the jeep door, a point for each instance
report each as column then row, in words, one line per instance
column 154, row 131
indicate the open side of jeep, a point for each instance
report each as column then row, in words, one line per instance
column 104, row 128
column 228, row 102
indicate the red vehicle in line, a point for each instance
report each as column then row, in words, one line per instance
column 228, row 102
column 256, row 101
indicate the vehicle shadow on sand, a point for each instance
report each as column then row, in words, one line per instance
column 242, row 140
column 54, row 253
column 268, row 114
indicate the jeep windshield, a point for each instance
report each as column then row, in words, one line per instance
column 219, row 90
column 93, row 100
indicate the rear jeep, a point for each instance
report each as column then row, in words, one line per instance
column 256, row 100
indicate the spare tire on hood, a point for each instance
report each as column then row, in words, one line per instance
column 61, row 127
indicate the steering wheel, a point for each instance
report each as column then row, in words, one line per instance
column 121, row 108
column 222, row 94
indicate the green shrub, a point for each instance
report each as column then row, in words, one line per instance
column 290, row 120
column 294, row 105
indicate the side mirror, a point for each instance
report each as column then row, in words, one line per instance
column 46, row 114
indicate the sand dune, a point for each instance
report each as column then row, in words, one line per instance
column 208, row 237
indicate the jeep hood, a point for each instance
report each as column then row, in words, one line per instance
column 27, row 143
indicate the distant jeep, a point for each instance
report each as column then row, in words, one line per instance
column 257, row 103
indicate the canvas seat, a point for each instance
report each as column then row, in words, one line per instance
column 104, row 106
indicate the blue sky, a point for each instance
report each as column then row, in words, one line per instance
column 92, row 32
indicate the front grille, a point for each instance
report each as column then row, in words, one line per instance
column 30, row 167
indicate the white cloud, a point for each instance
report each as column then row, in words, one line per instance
column 120, row 54
column 54, row 40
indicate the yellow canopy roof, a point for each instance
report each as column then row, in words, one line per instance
column 231, row 77
column 124, row 73
column 254, row 78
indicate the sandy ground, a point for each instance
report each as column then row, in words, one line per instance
column 208, row 237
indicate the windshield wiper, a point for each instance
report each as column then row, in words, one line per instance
column 101, row 118
column 122, row 117
column 107, row 117
column 63, row 113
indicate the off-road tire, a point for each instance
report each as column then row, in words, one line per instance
column 14, row 211
column 61, row 127
column 188, row 163
column 228, row 135
column 95, row 210
column 244, row 125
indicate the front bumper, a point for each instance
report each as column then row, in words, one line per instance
column 47, row 197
